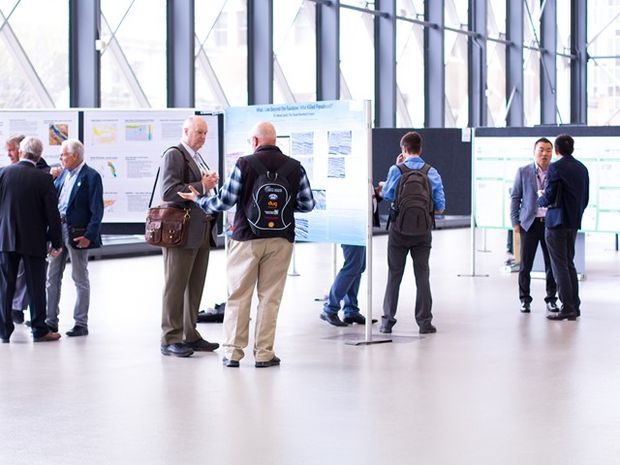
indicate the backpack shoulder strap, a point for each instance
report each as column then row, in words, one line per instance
column 403, row 168
column 426, row 168
column 185, row 172
column 287, row 167
column 256, row 164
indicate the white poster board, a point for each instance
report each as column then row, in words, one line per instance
column 125, row 147
column 495, row 163
column 331, row 140
column 51, row 126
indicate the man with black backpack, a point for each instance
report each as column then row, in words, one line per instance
column 267, row 187
column 416, row 193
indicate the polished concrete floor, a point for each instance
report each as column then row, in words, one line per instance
column 493, row 386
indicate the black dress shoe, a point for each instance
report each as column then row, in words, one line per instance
column 552, row 307
column 430, row 329
column 77, row 331
column 177, row 349
column 275, row 361
column 386, row 325
column 230, row 363
column 562, row 316
column 202, row 346
column 17, row 316
column 525, row 308
column 5, row 341
column 356, row 318
column 333, row 319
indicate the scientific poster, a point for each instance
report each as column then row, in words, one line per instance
column 52, row 127
column 126, row 148
column 331, row 140
column 495, row 164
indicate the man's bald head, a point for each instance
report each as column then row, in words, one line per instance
column 263, row 133
column 195, row 132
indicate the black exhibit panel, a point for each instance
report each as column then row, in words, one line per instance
column 443, row 148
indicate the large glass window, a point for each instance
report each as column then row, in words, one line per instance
column 563, row 65
column 357, row 55
column 496, row 64
column 221, row 53
column 409, row 65
column 456, row 64
column 133, row 60
column 604, row 64
column 294, row 44
column 531, row 62
column 34, row 54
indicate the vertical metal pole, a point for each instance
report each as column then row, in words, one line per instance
column 260, row 52
column 548, row 65
column 84, row 58
column 434, row 66
column 368, row 327
column 514, row 62
column 328, row 50
column 385, row 64
column 579, row 65
column 180, row 53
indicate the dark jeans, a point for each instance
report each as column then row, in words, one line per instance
column 35, row 282
column 561, row 245
column 347, row 282
column 419, row 247
column 529, row 243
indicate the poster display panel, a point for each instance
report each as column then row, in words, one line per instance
column 331, row 140
column 495, row 164
column 125, row 147
column 52, row 127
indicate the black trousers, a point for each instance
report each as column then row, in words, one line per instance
column 419, row 247
column 35, row 282
column 561, row 244
column 529, row 243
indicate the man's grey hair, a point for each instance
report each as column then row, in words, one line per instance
column 31, row 148
column 15, row 139
column 75, row 147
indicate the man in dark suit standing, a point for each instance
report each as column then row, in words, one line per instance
column 20, row 300
column 528, row 220
column 185, row 268
column 28, row 219
column 566, row 197
column 80, row 202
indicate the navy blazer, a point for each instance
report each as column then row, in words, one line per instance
column 566, row 193
column 85, row 205
column 28, row 211
column 523, row 197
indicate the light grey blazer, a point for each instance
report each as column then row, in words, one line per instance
column 523, row 197
column 172, row 172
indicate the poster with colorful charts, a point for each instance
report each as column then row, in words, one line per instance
column 51, row 126
column 126, row 148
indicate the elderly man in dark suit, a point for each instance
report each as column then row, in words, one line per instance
column 566, row 196
column 80, row 202
column 28, row 219
column 185, row 268
column 528, row 220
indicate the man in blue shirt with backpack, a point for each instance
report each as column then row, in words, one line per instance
column 416, row 193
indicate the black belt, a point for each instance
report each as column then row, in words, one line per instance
column 540, row 218
column 63, row 219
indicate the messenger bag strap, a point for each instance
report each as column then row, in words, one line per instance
column 185, row 174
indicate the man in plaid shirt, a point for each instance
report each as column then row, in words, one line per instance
column 253, row 261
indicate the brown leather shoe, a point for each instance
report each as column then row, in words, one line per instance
column 48, row 337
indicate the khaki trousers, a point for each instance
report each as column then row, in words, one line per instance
column 185, row 271
column 260, row 264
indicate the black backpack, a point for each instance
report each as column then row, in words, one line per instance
column 411, row 213
column 271, row 206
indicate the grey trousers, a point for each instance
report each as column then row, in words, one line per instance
column 419, row 247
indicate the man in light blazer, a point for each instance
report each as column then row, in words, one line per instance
column 80, row 203
column 528, row 220
column 28, row 220
column 185, row 268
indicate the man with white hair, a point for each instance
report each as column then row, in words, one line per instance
column 28, row 219
column 80, row 202
column 267, row 187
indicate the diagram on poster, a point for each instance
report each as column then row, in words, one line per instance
column 331, row 141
